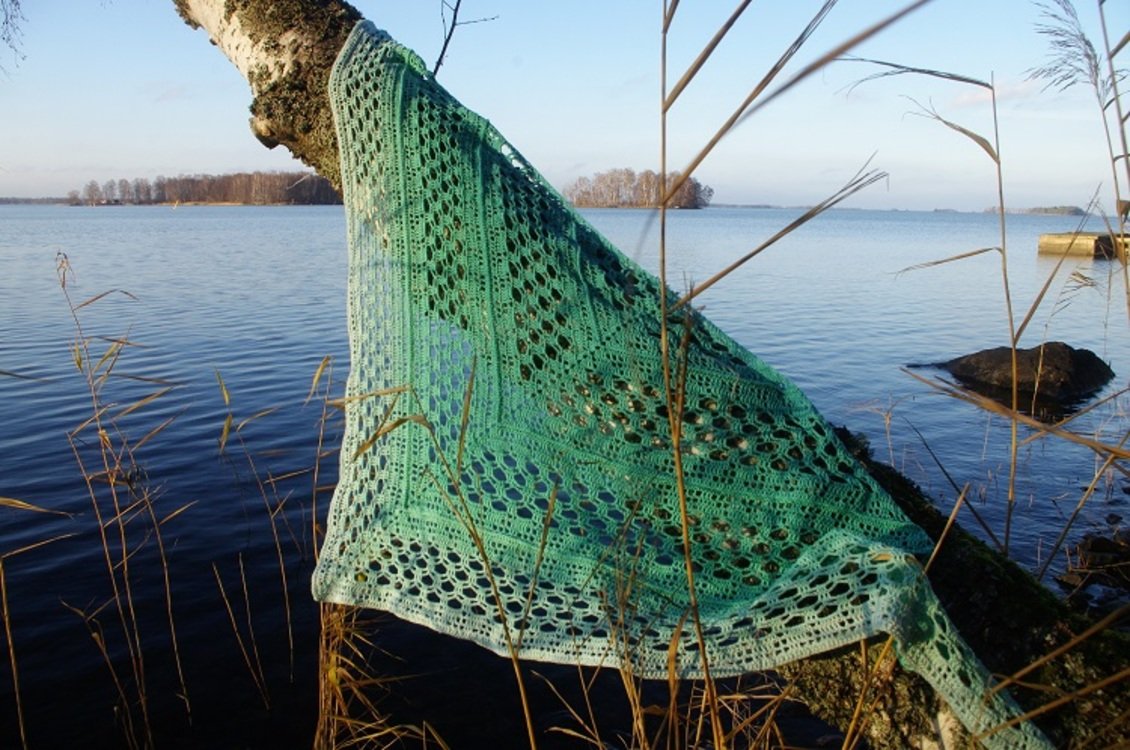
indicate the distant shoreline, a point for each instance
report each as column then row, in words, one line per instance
column 1037, row 211
column 5, row 201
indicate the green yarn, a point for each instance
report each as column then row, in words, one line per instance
column 507, row 442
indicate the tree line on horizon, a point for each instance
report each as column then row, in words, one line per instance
column 254, row 188
column 625, row 188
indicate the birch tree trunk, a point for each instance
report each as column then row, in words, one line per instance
column 286, row 50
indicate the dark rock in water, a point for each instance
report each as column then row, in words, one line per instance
column 1099, row 559
column 1053, row 372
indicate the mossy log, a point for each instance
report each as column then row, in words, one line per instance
column 1009, row 619
column 286, row 51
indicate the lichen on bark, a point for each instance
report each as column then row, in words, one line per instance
column 294, row 44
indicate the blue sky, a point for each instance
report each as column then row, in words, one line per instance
column 122, row 88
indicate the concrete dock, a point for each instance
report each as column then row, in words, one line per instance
column 1086, row 244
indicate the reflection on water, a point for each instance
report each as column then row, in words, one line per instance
column 255, row 297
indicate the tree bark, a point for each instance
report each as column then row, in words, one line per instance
column 286, row 50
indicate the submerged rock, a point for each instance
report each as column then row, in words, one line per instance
column 1100, row 559
column 1053, row 372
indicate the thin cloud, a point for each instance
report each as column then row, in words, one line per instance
column 1008, row 91
column 160, row 92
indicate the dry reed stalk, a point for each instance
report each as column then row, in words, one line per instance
column 268, row 486
column 853, row 735
column 120, row 582
column 1088, row 492
column 1062, row 700
column 959, row 491
column 675, row 401
column 589, row 732
column 272, row 514
column 1105, row 623
column 1075, row 61
column 348, row 717
column 94, row 628
column 462, row 512
column 1121, row 205
column 768, row 734
column 988, row 404
column 674, row 372
column 619, row 618
column 250, row 659
column 992, row 149
column 166, row 582
column 754, row 101
column 119, row 494
column 620, row 612
column 5, row 611
column 862, row 179
column 325, row 367
column 144, row 502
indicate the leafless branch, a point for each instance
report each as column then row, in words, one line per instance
column 449, row 29
column 10, row 19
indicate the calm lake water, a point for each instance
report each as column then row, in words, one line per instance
column 256, row 297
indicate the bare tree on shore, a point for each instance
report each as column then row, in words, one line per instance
column 256, row 188
column 624, row 188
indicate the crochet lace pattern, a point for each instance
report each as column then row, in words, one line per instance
column 507, row 471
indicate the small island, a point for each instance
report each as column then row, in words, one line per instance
column 1057, row 210
column 1042, row 210
column 625, row 188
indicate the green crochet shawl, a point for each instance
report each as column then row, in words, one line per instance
column 507, row 470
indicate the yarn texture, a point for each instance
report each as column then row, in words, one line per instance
column 507, row 471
